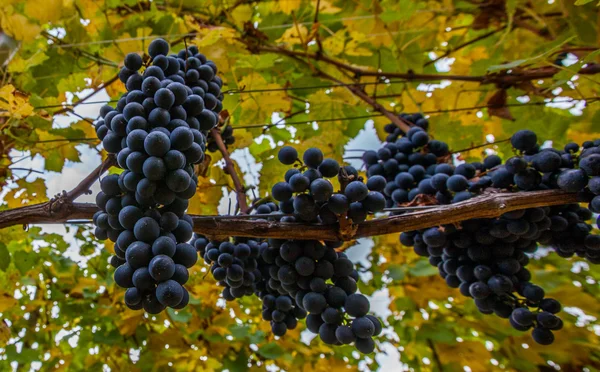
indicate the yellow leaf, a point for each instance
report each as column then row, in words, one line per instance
column 19, row 64
column 334, row 45
column 26, row 193
column 353, row 48
column 15, row 103
column 7, row 302
column 258, row 108
column 129, row 322
column 17, row 25
column 4, row 333
column 207, row 192
column 462, row 354
column 288, row 6
column 243, row 139
column 242, row 14
column 83, row 283
column 297, row 34
column 46, row 10
column 86, row 128
column 326, row 7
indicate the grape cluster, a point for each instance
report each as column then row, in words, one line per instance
column 301, row 279
column 403, row 169
column 234, row 265
column 486, row 260
column 157, row 132
column 394, row 131
column 323, row 283
column 310, row 197
column 410, row 167
column 226, row 135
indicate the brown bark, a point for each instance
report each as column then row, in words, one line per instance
column 240, row 190
column 483, row 206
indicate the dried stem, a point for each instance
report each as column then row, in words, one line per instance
column 99, row 88
column 87, row 182
column 240, row 190
column 499, row 78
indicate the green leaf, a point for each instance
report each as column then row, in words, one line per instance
column 54, row 162
column 397, row 272
column 239, row 364
column 404, row 303
column 583, row 2
column 423, row 268
column 438, row 333
column 4, row 257
column 25, row 261
column 182, row 316
column 537, row 58
column 239, row 331
column 111, row 337
column 271, row 351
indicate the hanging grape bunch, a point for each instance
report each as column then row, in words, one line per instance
column 486, row 258
column 296, row 279
column 234, row 264
column 157, row 132
column 308, row 195
column 226, row 135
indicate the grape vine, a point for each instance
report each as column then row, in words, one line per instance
column 159, row 130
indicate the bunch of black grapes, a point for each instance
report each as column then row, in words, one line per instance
column 573, row 169
column 322, row 282
column 310, row 197
column 297, row 279
column 157, row 132
column 486, row 260
column 234, row 264
column 226, row 135
column 410, row 167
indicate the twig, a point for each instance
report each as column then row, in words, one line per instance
column 89, row 180
column 26, row 170
column 240, row 190
column 465, row 44
column 499, row 78
column 479, row 146
column 98, row 88
column 436, row 357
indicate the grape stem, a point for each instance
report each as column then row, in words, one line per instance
column 240, row 190
column 96, row 90
column 89, row 180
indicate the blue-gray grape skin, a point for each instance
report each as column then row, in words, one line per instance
column 294, row 281
column 496, row 249
column 154, row 132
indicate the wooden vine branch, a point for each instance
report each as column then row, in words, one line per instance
column 484, row 206
column 240, row 190
column 89, row 180
column 502, row 78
